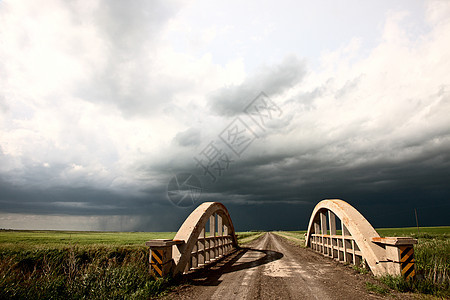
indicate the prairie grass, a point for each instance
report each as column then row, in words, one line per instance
column 432, row 256
column 92, row 272
column 442, row 232
column 373, row 287
column 43, row 239
column 80, row 265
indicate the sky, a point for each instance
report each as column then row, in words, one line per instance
column 268, row 106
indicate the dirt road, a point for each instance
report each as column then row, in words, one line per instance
column 271, row 267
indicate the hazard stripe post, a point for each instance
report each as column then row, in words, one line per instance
column 156, row 262
column 399, row 258
column 407, row 261
column 161, row 262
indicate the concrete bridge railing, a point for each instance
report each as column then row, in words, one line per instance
column 358, row 243
column 205, row 236
column 208, row 234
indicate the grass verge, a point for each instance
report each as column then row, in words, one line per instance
column 248, row 236
column 78, row 272
column 432, row 256
column 375, row 288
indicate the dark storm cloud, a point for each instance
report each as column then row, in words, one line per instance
column 383, row 172
column 385, row 184
column 268, row 192
column 150, row 211
column 273, row 80
column 385, row 193
column 83, row 200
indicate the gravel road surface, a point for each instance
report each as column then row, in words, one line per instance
column 272, row 267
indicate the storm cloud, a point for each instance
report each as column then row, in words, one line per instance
column 102, row 103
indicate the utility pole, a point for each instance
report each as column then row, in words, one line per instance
column 417, row 220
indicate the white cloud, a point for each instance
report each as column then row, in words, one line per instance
column 393, row 102
column 83, row 85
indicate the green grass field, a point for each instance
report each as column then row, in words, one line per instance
column 40, row 239
column 43, row 239
column 59, row 239
column 442, row 232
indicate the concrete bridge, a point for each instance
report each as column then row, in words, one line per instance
column 205, row 249
column 358, row 242
column 206, row 235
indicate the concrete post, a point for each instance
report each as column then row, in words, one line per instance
column 207, row 246
column 399, row 255
column 194, row 256
column 316, row 238
column 225, row 232
column 201, row 248
column 212, row 234
column 344, row 241
column 161, row 261
column 220, row 233
column 332, row 222
column 323, row 231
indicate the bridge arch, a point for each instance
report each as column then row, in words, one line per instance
column 207, row 234
column 356, row 243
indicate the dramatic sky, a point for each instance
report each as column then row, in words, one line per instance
column 102, row 102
